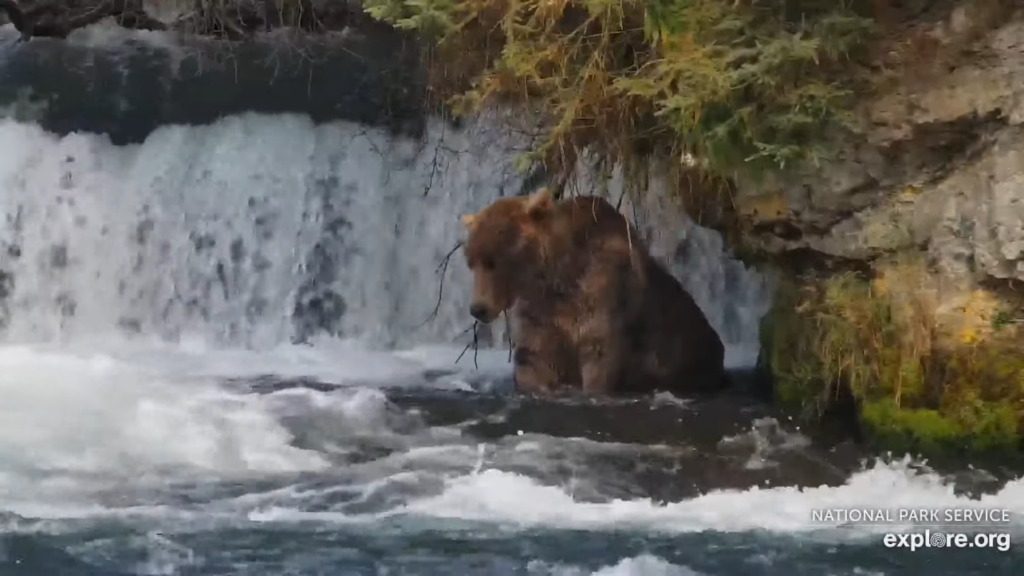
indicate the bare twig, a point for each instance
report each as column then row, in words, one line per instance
column 470, row 327
column 508, row 334
column 475, row 343
column 442, row 268
column 433, row 163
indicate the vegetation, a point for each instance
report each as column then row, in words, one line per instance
column 929, row 375
column 716, row 86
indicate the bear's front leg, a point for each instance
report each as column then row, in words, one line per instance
column 601, row 367
column 532, row 375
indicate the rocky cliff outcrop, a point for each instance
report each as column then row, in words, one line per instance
column 935, row 163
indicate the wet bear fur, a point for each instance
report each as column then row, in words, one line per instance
column 591, row 309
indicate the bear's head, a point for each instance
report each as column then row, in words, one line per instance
column 505, row 242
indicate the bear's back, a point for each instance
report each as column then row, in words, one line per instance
column 595, row 215
column 675, row 346
column 681, row 351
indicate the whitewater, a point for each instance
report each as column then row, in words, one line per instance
column 225, row 350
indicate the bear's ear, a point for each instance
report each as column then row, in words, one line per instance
column 468, row 220
column 540, row 202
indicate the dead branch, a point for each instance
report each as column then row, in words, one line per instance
column 442, row 268
column 433, row 163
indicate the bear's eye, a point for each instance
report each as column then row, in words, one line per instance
column 488, row 264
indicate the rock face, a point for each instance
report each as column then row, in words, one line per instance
column 128, row 84
column 936, row 162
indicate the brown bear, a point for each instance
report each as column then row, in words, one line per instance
column 591, row 308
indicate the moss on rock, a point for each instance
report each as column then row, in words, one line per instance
column 992, row 428
column 939, row 376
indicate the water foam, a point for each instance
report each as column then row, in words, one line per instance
column 81, row 422
column 97, row 415
column 513, row 499
column 77, row 426
column 642, row 565
column 135, row 407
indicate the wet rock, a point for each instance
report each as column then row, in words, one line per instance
column 129, row 90
column 320, row 313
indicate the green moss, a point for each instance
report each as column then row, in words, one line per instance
column 990, row 428
column 796, row 377
column 917, row 392
column 995, row 427
column 904, row 430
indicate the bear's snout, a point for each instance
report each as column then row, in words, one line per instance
column 480, row 312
